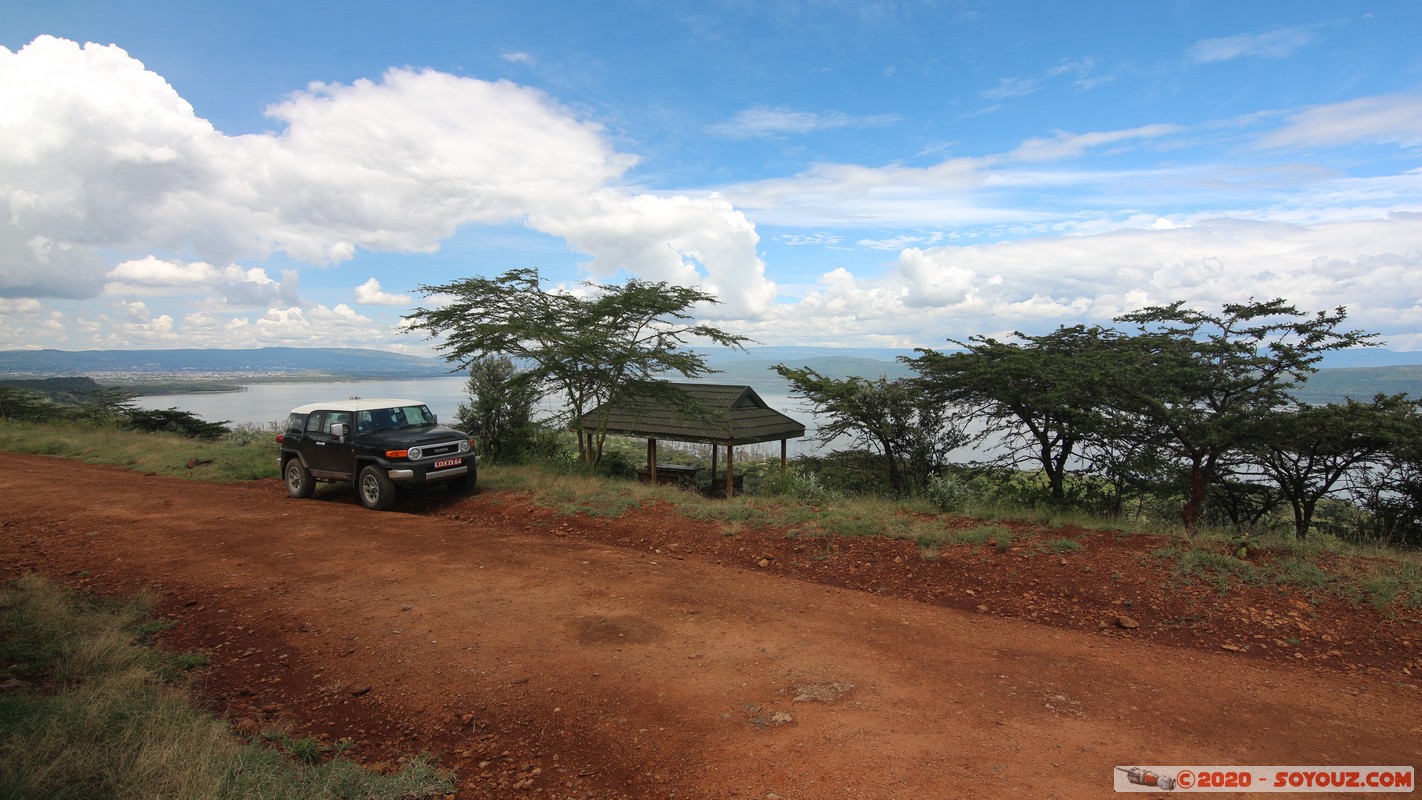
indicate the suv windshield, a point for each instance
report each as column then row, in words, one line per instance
column 380, row 419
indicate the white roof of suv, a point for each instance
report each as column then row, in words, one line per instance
column 363, row 404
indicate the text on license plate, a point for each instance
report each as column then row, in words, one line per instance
column 448, row 462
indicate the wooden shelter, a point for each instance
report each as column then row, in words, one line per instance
column 706, row 413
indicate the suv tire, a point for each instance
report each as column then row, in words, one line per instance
column 464, row 485
column 299, row 483
column 376, row 490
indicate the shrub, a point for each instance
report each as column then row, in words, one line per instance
column 948, row 492
column 799, row 484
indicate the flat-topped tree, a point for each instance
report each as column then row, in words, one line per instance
column 591, row 347
column 1038, row 396
column 1203, row 383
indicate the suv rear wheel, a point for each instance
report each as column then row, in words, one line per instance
column 299, row 482
column 377, row 491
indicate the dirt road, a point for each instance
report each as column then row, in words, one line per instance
column 539, row 663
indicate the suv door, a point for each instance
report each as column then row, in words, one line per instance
column 327, row 454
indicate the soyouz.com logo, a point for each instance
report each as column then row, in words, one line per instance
column 1262, row 779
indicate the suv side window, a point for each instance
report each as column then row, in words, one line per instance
column 313, row 422
column 335, row 417
column 296, row 422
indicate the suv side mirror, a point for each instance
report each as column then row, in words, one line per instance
column 339, row 430
column 434, row 419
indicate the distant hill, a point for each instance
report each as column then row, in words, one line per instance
column 1359, row 373
column 1361, row 383
column 314, row 362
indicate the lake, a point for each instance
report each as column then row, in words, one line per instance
column 268, row 403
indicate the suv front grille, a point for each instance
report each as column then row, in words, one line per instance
column 428, row 451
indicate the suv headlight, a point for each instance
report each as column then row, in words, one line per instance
column 464, row 445
column 415, row 453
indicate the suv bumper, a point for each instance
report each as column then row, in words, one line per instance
column 416, row 473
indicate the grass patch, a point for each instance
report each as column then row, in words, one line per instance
column 93, row 712
column 1063, row 546
column 996, row 535
column 1191, row 563
column 243, row 456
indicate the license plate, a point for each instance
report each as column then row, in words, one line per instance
column 449, row 462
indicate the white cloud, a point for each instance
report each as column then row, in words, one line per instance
column 23, row 305
column 229, row 286
column 1395, row 119
column 760, row 122
column 900, row 242
column 1276, row 43
column 370, row 294
column 1015, row 86
column 1068, row 145
column 102, row 154
column 1012, row 87
column 673, row 239
column 1035, row 284
column 818, row 239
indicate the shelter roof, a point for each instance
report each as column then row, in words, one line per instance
column 699, row 412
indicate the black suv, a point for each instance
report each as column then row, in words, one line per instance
column 375, row 444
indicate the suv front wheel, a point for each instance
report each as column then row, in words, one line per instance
column 377, row 491
column 299, row 482
column 463, row 485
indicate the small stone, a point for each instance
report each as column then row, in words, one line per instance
column 1126, row 622
column 360, row 691
column 764, row 562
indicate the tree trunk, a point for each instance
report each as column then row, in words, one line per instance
column 1303, row 518
column 1190, row 514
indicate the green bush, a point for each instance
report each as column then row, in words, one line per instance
column 948, row 492
column 798, row 484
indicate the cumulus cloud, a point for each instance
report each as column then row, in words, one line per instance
column 371, row 294
column 673, row 239
column 1276, row 43
column 939, row 293
column 231, row 285
column 103, row 155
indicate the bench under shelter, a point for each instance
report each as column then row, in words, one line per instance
column 721, row 415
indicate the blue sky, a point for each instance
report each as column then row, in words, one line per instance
column 887, row 174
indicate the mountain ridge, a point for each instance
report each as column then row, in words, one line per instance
column 1359, row 373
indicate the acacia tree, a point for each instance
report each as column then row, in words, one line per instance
column 1039, row 396
column 911, row 434
column 1389, row 492
column 592, row 347
column 1201, row 383
column 1308, row 450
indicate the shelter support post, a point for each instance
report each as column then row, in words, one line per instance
column 730, row 471
column 652, row 459
column 784, row 453
column 715, row 451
